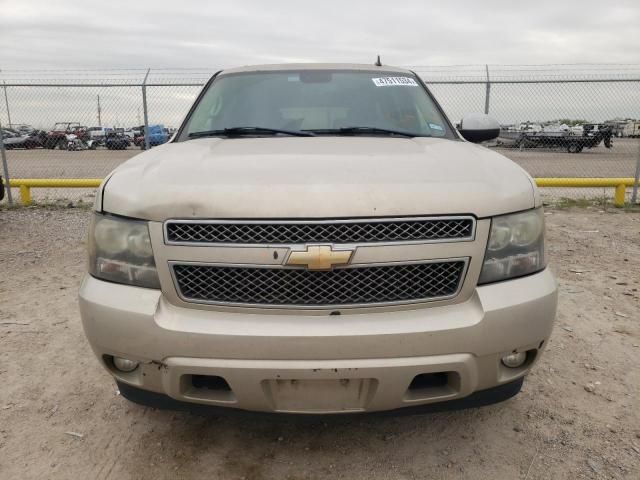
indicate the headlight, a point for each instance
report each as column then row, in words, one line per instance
column 120, row 251
column 515, row 247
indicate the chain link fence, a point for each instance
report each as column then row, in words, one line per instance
column 561, row 121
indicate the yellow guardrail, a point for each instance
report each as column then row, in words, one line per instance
column 620, row 184
column 26, row 184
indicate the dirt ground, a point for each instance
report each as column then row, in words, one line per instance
column 578, row 415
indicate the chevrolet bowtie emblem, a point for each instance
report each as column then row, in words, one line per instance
column 319, row 257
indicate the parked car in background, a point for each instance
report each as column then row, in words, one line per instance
column 319, row 239
column 98, row 133
column 57, row 137
column 117, row 141
column 75, row 144
column 572, row 139
column 632, row 129
column 23, row 128
column 7, row 133
column 157, row 136
column 34, row 139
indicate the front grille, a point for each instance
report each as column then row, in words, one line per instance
column 331, row 231
column 301, row 287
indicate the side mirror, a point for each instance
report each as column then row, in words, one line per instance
column 478, row 127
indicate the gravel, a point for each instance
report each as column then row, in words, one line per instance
column 61, row 415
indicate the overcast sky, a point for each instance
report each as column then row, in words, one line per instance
column 185, row 33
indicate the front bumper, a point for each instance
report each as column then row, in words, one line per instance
column 298, row 363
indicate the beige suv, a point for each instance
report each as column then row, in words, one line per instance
column 319, row 239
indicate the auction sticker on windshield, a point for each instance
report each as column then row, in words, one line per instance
column 394, row 81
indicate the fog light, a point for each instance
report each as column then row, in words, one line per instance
column 514, row 360
column 124, row 364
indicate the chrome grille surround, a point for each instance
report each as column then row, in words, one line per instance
column 336, row 231
column 364, row 285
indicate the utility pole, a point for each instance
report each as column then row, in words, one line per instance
column 487, row 93
column 99, row 112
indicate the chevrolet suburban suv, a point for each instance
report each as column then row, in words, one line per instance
column 319, row 239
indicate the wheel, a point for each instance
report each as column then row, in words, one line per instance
column 63, row 145
column 573, row 147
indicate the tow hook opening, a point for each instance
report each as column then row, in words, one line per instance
column 207, row 387
column 429, row 380
column 210, row 382
column 432, row 385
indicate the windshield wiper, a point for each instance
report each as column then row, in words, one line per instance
column 364, row 131
column 238, row 131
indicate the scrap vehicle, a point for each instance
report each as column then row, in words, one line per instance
column 130, row 133
column 632, row 129
column 319, row 239
column 8, row 133
column 157, row 136
column 23, row 128
column 77, row 143
column 98, row 133
column 20, row 139
column 57, row 137
column 573, row 142
column 117, row 140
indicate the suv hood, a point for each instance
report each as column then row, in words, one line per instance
column 316, row 177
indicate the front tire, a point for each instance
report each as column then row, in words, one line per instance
column 574, row 147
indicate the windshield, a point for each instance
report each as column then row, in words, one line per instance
column 324, row 102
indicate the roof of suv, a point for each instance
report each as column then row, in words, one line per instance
column 316, row 66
